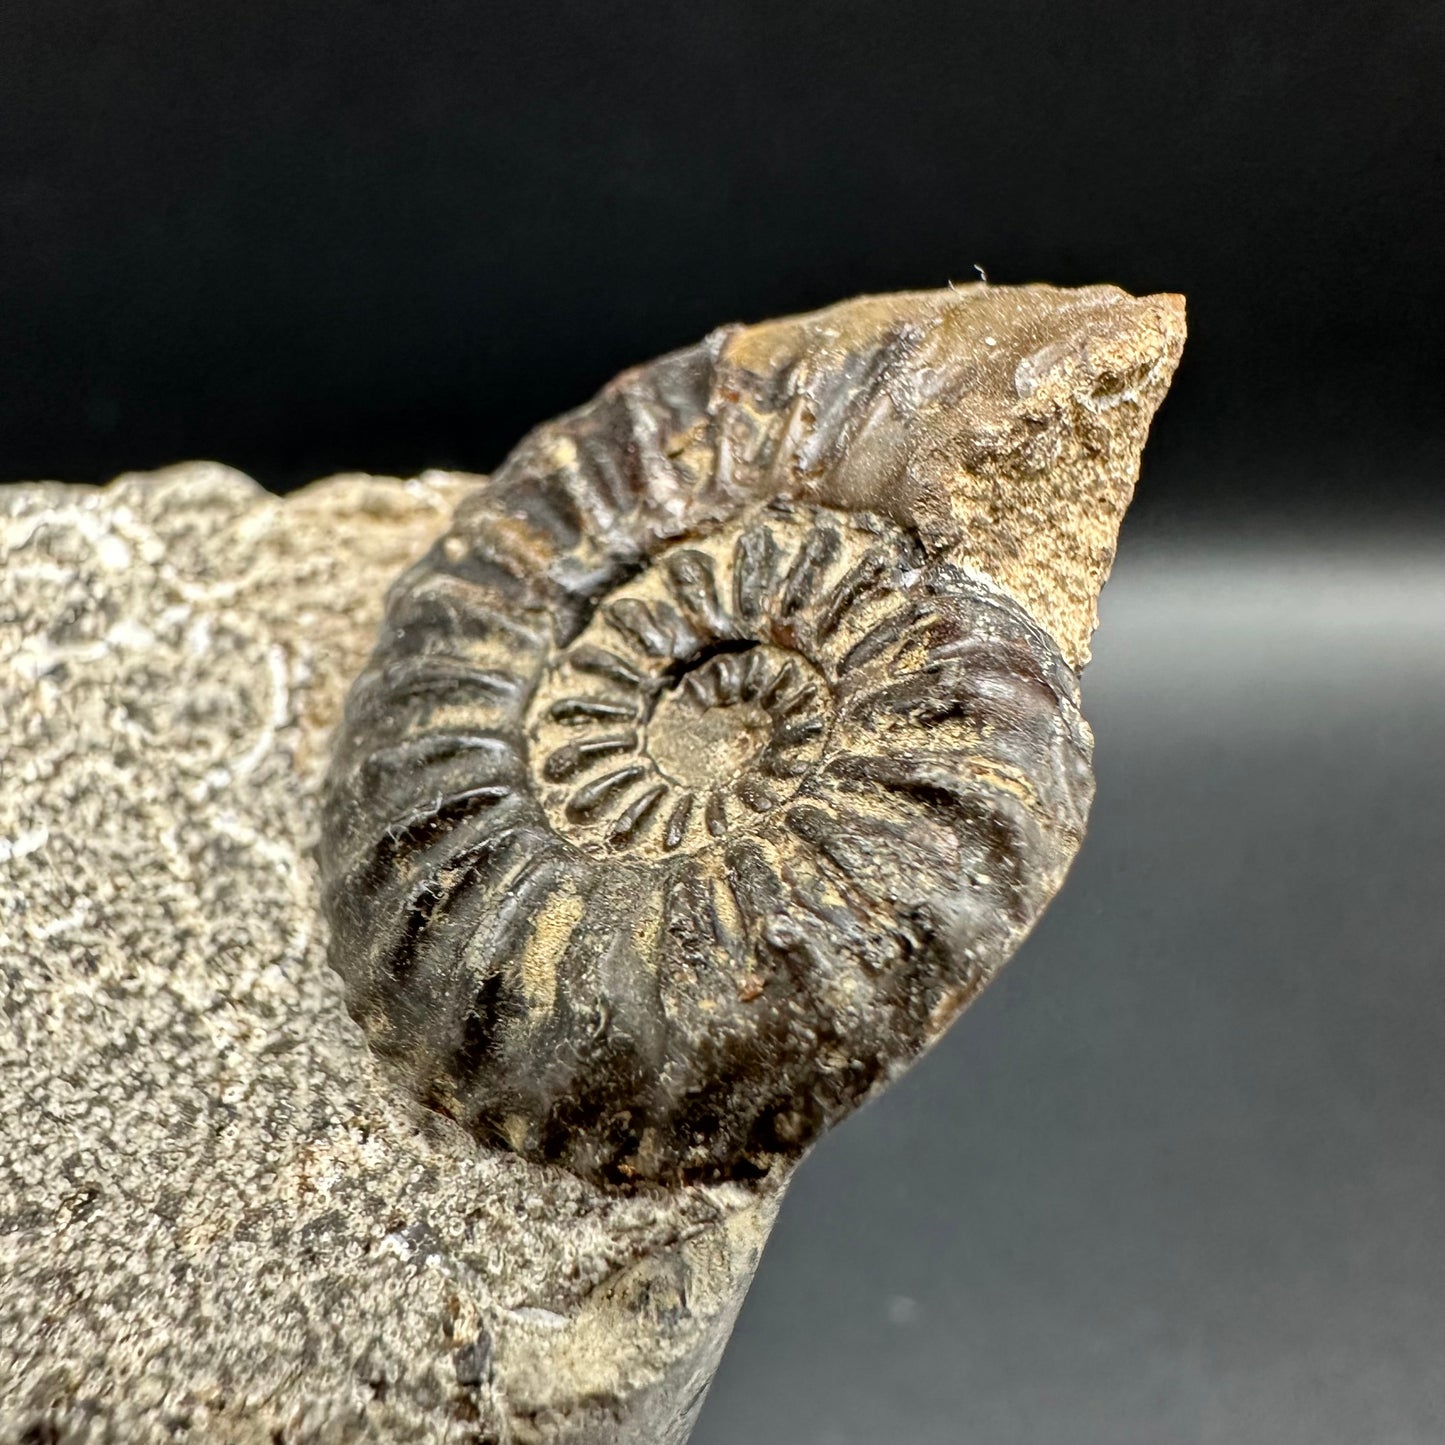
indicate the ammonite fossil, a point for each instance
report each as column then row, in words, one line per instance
column 713, row 760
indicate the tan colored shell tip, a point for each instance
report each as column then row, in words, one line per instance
column 1005, row 427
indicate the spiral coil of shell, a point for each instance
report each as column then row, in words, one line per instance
column 675, row 813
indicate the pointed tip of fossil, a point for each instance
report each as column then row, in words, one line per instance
column 1004, row 424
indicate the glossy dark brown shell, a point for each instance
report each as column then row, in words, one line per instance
column 674, row 813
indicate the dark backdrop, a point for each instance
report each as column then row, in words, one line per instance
column 302, row 237
column 1179, row 1177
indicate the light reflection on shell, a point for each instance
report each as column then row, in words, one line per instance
column 673, row 816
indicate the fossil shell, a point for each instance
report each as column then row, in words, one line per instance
column 683, row 803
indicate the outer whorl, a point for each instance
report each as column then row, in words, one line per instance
column 728, row 742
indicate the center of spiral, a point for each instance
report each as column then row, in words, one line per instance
column 675, row 752
column 698, row 699
column 700, row 734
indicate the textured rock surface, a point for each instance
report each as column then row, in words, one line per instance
column 216, row 1220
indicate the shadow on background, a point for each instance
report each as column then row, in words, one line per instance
column 1178, row 1175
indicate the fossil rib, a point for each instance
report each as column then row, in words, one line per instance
column 729, row 741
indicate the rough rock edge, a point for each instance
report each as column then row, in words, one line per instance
column 217, row 1220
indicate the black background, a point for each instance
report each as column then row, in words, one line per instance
column 1179, row 1177
column 302, row 237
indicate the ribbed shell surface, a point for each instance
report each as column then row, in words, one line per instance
column 675, row 813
